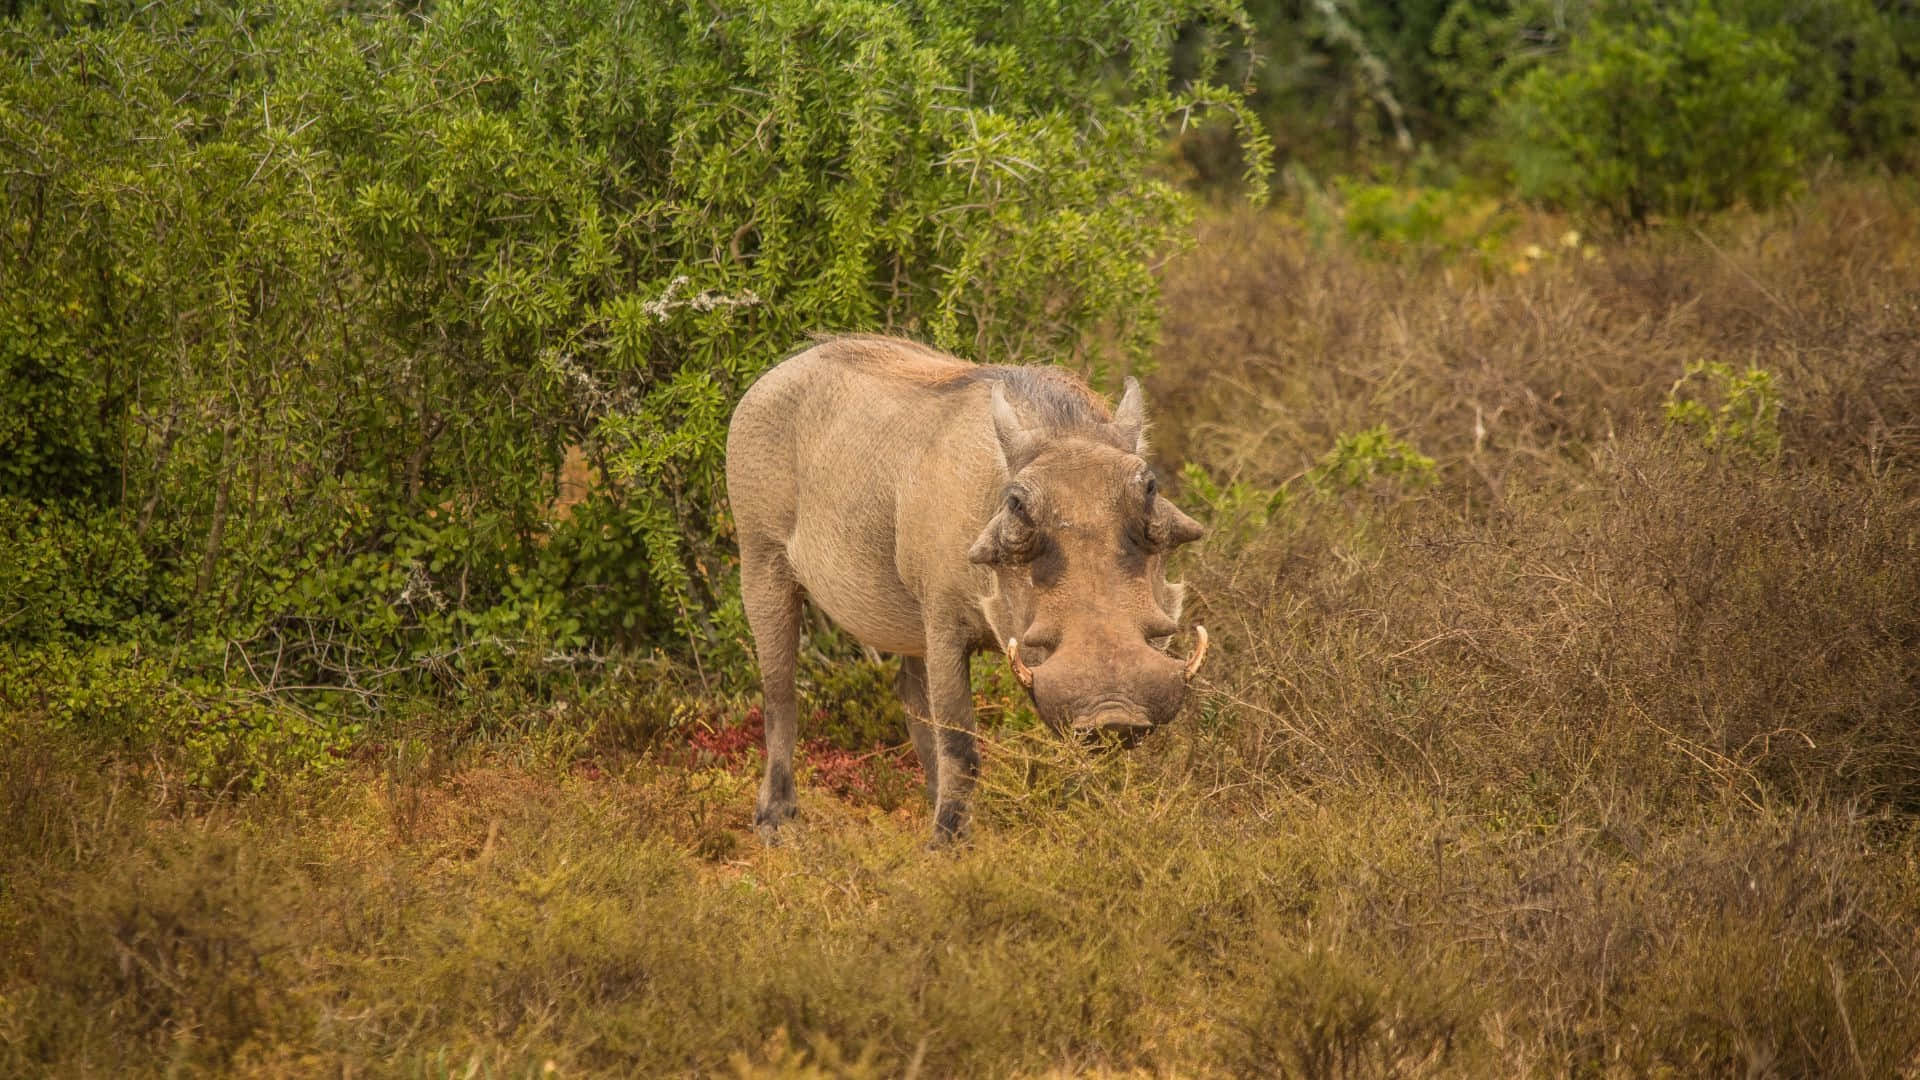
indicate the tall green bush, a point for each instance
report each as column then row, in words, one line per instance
column 1676, row 111
column 312, row 300
column 1856, row 61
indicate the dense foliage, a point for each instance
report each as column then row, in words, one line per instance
column 303, row 308
column 1493, row 86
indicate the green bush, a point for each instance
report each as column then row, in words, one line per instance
column 59, row 426
column 1360, row 458
column 1676, row 112
column 1419, row 87
column 1479, row 48
column 1346, row 83
column 1740, row 411
column 1372, row 461
column 1390, row 222
column 1857, row 61
column 218, row 738
column 310, row 303
column 70, row 573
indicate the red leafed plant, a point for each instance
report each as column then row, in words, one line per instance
column 882, row 775
column 728, row 747
column 885, row 776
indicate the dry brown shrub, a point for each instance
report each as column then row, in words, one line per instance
column 1275, row 344
column 1661, row 701
column 1677, row 623
column 1586, row 598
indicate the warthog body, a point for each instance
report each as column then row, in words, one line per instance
column 933, row 508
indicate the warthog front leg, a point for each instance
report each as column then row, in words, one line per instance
column 772, row 600
column 956, row 749
column 911, row 684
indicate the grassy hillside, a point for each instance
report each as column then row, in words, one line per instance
column 1569, row 723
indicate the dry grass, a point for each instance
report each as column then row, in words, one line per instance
column 1601, row 755
column 1275, row 344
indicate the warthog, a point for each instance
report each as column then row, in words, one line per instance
column 933, row 508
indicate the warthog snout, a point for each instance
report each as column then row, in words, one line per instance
column 1121, row 693
column 1121, row 725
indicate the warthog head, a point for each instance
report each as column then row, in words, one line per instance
column 1079, row 544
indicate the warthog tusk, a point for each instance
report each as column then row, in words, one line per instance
column 1199, row 652
column 1020, row 670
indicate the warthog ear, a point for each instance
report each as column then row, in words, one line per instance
column 1130, row 419
column 1016, row 443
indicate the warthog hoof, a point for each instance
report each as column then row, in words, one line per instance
column 952, row 825
column 767, row 820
